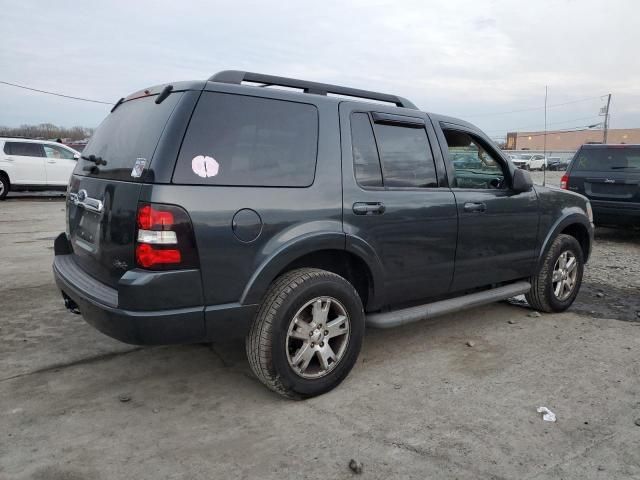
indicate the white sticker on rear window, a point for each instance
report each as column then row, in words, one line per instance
column 204, row 166
column 138, row 167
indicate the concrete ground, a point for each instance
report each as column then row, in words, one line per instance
column 420, row 403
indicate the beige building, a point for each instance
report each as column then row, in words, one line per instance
column 559, row 140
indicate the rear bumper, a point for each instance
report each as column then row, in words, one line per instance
column 619, row 213
column 101, row 307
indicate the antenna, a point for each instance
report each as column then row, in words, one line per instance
column 544, row 162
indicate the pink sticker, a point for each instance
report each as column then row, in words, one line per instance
column 204, row 166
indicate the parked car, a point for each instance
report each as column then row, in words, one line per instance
column 529, row 161
column 609, row 175
column 556, row 164
column 207, row 209
column 34, row 165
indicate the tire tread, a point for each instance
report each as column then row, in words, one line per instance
column 259, row 339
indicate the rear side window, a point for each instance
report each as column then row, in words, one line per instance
column 365, row 153
column 249, row 141
column 602, row 159
column 405, row 156
column 24, row 149
column 128, row 135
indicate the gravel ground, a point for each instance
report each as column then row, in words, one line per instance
column 611, row 286
column 420, row 403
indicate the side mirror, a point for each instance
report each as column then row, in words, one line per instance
column 522, row 180
column 76, row 156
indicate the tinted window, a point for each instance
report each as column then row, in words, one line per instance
column 405, row 156
column 249, row 141
column 620, row 158
column 474, row 166
column 132, row 131
column 54, row 151
column 365, row 153
column 24, row 149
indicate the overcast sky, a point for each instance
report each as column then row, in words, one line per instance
column 468, row 58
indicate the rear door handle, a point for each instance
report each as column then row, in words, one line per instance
column 51, row 161
column 368, row 208
column 9, row 159
column 475, row 207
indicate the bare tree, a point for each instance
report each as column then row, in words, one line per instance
column 47, row 131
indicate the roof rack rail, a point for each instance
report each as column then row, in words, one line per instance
column 238, row 76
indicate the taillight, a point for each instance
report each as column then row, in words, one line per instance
column 164, row 238
column 564, row 181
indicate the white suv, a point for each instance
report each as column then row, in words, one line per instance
column 34, row 165
column 529, row 161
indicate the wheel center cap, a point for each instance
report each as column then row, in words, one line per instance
column 317, row 336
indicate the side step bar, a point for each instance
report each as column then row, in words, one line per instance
column 430, row 310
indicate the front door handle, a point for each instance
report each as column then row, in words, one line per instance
column 368, row 208
column 475, row 207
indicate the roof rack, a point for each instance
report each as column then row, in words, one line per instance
column 238, row 76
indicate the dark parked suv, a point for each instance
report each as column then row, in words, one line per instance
column 609, row 175
column 295, row 217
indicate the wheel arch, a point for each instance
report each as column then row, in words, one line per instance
column 329, row 251
column 575, row 224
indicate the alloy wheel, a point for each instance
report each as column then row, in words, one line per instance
column 565, row 272
column 318, row 337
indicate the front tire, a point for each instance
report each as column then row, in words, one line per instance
column 557, row 283
column 307, row 334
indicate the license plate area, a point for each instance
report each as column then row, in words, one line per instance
column 87, row 232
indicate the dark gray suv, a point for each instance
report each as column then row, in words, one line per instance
column 298, row 216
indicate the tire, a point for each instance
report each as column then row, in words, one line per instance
column 4, row 186
column 542, row 295
column 274, row 341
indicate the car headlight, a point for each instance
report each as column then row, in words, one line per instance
column 589, row 212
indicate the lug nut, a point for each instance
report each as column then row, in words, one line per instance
column 322, row 344
column 326, row 332
column 311, row 334
column 313, row 344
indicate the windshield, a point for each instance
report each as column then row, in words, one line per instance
column 598, row 159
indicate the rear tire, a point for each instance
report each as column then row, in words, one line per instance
column 557, row 283
column 4, row 186
column 286, row 350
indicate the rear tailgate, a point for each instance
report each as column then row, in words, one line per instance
column 607, row 173
column 103, row 198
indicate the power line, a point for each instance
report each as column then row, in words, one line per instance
column 54, row 93
column 583, row 128
column 519, row 129
column 533, row 108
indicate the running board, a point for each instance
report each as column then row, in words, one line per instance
column 430, row 310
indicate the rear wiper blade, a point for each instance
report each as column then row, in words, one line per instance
column 622, row 168
column 94, row 159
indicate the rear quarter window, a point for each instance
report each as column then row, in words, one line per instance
column 239, row 140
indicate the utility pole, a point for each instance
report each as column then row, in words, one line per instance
column 606, row 118
column 544, row 165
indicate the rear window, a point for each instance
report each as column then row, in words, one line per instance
column 24, row 149
column 405, row 156
column 598, row 159
column 248, row 141
column 128, row 135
